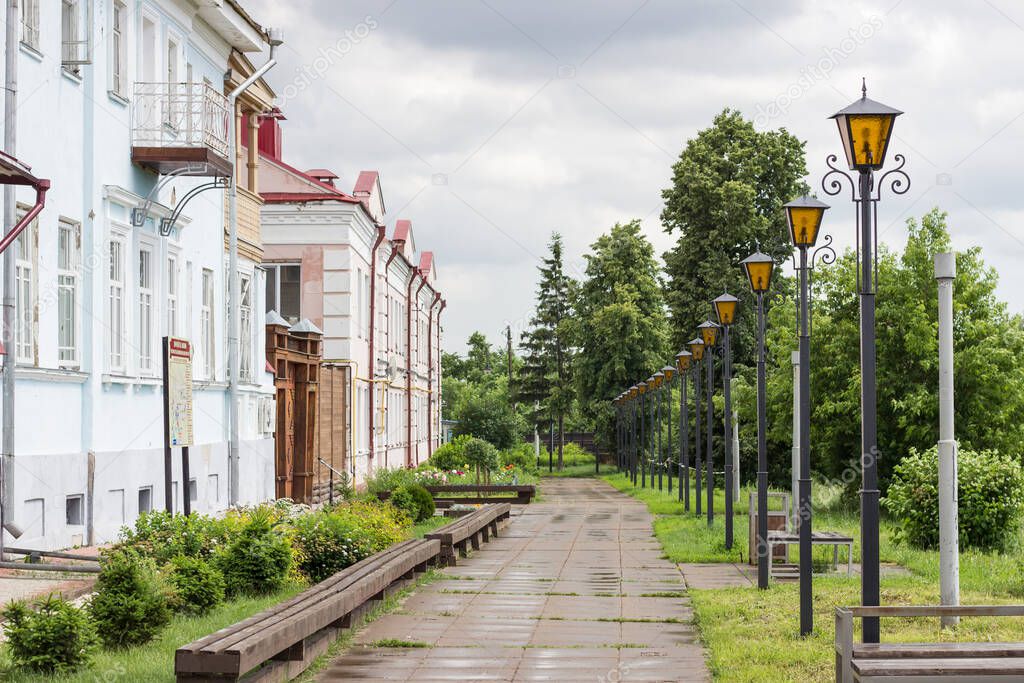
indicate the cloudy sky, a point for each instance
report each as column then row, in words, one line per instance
column 495, row 122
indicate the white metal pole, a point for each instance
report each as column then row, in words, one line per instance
column 949, row 550
column 234, row 295
column 795, row 470
column 735, row 455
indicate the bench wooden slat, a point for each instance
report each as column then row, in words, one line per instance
column 942, row 650
column 945, row 666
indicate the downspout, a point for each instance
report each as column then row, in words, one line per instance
column 440, row 415
column 396, row 246
column 408, row 362
column 430, row 374
column 371, row 368
column 234, row 293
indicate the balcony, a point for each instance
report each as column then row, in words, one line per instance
column 180, row 128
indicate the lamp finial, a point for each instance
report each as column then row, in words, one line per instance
column 863, row 87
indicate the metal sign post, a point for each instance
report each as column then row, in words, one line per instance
column 177, row 362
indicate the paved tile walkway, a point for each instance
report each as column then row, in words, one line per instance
column 573, row 589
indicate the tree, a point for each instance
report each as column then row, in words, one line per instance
column 619, row 324
column 725, row 201
column 545, row 378
column 476, row 394
column 988, row 355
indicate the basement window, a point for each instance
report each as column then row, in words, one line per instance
column 145, row 499
column 74, row 508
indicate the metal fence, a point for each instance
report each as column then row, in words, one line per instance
column 180, row 115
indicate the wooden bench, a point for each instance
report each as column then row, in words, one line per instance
column 476, row 494
column 471, row 530
column 831, row 538
column 914, row 662
column 279, row 643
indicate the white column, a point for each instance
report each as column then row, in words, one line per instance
column 795, row 469
column 949, row 551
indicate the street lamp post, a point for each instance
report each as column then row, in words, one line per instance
column 659, row 454
column 642, row 443
column 865, row 128
column 759, row 268
column 709, row 332
column 683, row 364
column 804, row 217
column 725, row 309
column 669, row 371
column 697, row 352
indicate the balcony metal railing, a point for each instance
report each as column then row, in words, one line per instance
column 180, row 115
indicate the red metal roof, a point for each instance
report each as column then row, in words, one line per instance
column 402, row 229
column 426, row 261
column 365, row 182
column 304, row 197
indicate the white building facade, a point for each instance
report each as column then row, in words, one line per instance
column 331, row 258
column 114, row 96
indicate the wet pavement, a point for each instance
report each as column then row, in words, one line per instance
column 573, row 589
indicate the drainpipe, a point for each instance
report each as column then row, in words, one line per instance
column 234, row 293
column 439, row 407
column 430, row 374
column 371, row 368
column 10, row 213
column 408, row 362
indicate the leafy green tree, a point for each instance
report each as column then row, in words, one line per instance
column 546, row 377
column 728, row 187
column 619, row 325
column 486, row 412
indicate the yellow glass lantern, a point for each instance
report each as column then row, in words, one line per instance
column 657, row 379
column 865, row 128
column 725, row 308
column 804, row 218
column 696, row 349
column 708, row 332
column 683, row 359
column 668, row 371
column 759, row 269
column 642, row 388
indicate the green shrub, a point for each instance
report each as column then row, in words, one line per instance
column 257, row 560
column 424, row 502
column 403, row 501
column 131, row 602
column 481, row 456
column 990, row 491
column 326, row 543
column 55, row 637
column 383, row 524
column 521, row 457
column 451, row 456
column 573, row 454
column 197, row 585
column 389, row 479
column 163, row 536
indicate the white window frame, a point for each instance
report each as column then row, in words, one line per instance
column 208, row 322
column 119, row 24
column 117, row 291
column 172, row 288
column 30, row 24
column 26, row 267
column 146, row 307
column 69, row 237
column 273, row 271
column 75, row 46
column 245, row 308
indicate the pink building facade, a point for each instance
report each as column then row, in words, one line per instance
column 331, row 257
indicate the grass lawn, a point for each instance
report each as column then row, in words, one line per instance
column 752, row 635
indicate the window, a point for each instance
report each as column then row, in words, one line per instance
column 284, row 291
column 69, row 244
column 73, row 510
column 172, row 295
column 30, row 23
column 145, row 499
column 206, row 319
column 74, row 40
column 25, row 299
column 145, row 336
column 118, row 48
column 245, row 332
column 115, row 305
column 193, row 491
column 357, row 303
column 366, row 306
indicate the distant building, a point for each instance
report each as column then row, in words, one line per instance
column 116, row 97
column 329, row 258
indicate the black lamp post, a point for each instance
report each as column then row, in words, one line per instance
column 725, row 309
column 659, row 453
column 759, row 268
column 697, row 351
column 634, row 394
column 683, row 364
column 804, row 217
column 865, row 128
column 669, row 371
column 641, row 451
column 709, row 333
